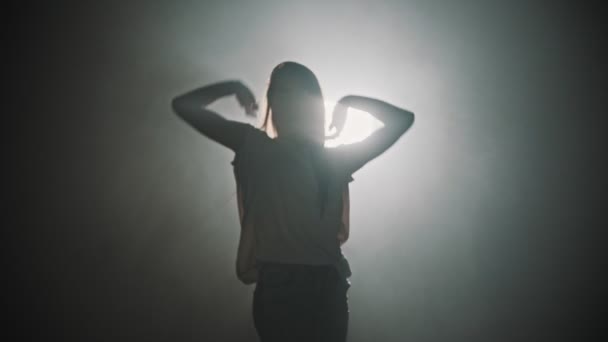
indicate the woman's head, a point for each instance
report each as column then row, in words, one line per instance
column 295, row 103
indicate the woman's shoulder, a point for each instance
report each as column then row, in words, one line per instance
column 254, row 136
column 255, row 141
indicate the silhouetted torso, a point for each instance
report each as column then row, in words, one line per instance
column 280, row 200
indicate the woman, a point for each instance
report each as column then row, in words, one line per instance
column 293, row 197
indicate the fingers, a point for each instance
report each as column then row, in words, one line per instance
column 333, row 134
column 246, row 99
column 251, row 109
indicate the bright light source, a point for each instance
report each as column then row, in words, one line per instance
column 358, row 126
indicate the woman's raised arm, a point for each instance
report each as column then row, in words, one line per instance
column 191, row 108
column 396, row 122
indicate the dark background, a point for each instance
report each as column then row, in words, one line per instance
column 480, row 224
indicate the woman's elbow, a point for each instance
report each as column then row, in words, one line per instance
column 409, row 117
column 407, row 121
column 177, row 105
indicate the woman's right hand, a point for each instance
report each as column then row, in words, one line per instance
column 245, row 98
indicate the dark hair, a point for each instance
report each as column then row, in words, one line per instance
column 302, row 79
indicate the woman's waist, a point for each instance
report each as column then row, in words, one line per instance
column 339, row 266
column 285, row 275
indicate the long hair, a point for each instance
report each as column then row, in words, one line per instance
column 302, row 80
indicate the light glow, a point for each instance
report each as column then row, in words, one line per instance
column 358, row 126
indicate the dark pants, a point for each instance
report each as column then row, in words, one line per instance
column 300, row 303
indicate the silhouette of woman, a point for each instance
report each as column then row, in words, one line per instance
column 293, row 197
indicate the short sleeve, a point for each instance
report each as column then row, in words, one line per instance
column 340, row 173
column 242, row 150
column 254, row 141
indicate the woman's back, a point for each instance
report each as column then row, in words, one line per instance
column 280, row 198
